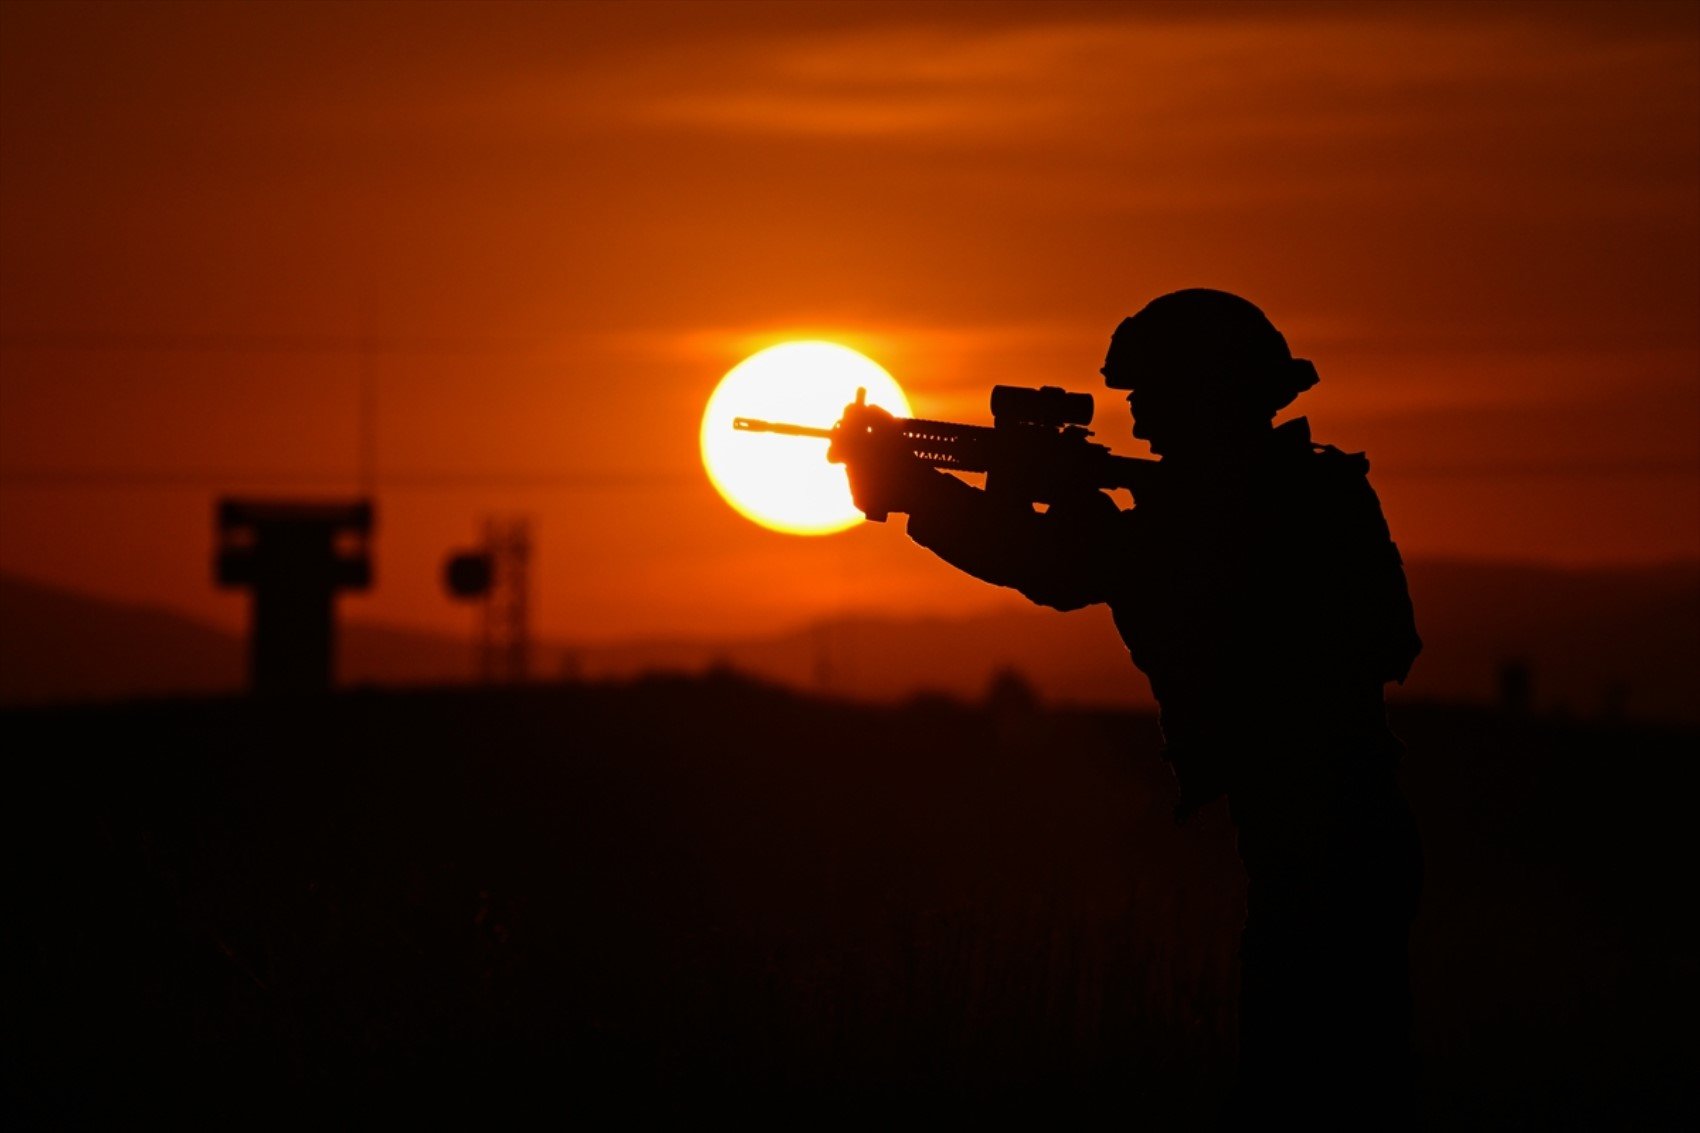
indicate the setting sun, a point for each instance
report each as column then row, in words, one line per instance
column 782, row 482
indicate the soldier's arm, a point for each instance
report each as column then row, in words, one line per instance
column 1062, row 558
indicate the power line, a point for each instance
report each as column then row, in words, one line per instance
column 405, row 481
column 267, row 344
column 1486, row 470
column 118, row 478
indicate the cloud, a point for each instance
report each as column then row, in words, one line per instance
column 1338, row 75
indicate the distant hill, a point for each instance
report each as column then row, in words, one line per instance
column 59, row 645
column 1594, row 642
column 1074, row 657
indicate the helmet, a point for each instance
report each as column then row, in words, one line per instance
column 1209, row 336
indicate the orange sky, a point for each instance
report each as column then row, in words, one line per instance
column 560, row 225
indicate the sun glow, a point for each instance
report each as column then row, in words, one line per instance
column 784, row 482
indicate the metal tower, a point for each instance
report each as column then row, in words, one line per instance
column 497, row 576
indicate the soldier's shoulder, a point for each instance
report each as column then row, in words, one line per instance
column 1313, row 458
column 1293, row 441
column 1341, row 492
column 1335, row 481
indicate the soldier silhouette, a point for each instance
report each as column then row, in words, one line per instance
column 1256, row 585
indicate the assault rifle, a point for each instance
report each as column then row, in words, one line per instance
column 1035, row 451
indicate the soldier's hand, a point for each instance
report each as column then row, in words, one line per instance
column 885, row 475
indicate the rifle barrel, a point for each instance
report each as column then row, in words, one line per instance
column 753, row 425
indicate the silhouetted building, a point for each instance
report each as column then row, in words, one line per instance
column 294, row 556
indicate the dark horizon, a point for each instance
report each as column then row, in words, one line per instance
column 511, row 900
column 1621, row 650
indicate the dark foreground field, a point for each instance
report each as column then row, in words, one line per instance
column 710, row 897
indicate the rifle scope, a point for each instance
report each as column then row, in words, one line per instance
column 1050, row 406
